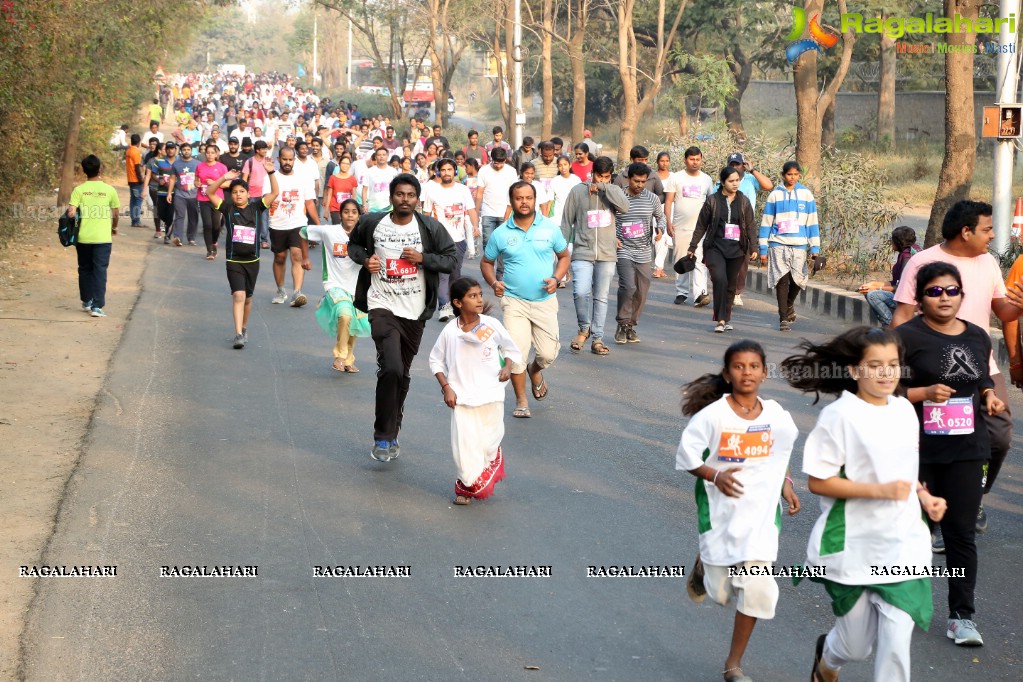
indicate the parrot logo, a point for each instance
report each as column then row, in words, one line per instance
column 821, row 36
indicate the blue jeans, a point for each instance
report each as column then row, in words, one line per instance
column 446, row 278
column 882, row 303
column 591, row 282
column 135, row 202
column 487, row 226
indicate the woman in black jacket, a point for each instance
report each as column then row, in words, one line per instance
column 729, row 236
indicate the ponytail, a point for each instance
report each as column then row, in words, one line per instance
column 699, row 393
column 824, row 368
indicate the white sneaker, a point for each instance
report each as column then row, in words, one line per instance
column 737, row 301
column 446, row 313
column 298, row 299
column 964, row 632
column 280, row 297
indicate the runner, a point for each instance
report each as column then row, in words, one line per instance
column 472, row 360
column 752, row 182
column 588, row 224
column 97, row 204
column 135, row 173
column 729, row 234
column 583, row 164
column 685, row 193
column 953, row 393
column 402, row 254
column 205, row 174
column 492, row 185
column 341, row 186
column 528, row 243
column 375, row 184
column 161, row 167
column 473, row 150
column 663, row 242
column 186, row 203
column 335, row 313
column 861, row 459
column 788, row 230
column 634, row 231
column 560, row 186
column 741, row 444
column 527, row 172
column 241, row 216
column 287, row 217
column 254, row 174
column 453, row 205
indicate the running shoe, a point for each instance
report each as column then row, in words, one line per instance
column 785, row 326
column 729, row 327
column 245, row 333
column 446, row 313
column 381, row 451
column 621, row 334
column 631, row 336
column 680, row 300
column 191, row 242
column 737, row 301
column 720, row 329
column 239, row 341
column 298, row 300
column 280, row 297
column 394, row 449
column 702, row 301
column 157, row 234
column 87, row 307
column 981, row 520
column 98, row 312
column 964, row 632
column 937, row 541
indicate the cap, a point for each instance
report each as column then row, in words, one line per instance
column 170, row 145
column 587, row 133
column 735, row 158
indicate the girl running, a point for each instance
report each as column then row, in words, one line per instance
column 862, row 461
column 737, row 446
column 472, row 361
column 663, row 242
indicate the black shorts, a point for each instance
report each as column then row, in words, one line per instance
column 242, row 276
column 282, row 240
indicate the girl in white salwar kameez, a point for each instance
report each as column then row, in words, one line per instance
column 472, row 361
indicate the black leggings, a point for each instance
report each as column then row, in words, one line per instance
column 210, row 224
column 787, row 292
column 156, row 206
column 961, row 484
column 163, row 212
column 724, row 274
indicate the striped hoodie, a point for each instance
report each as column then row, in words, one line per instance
column 790, row 219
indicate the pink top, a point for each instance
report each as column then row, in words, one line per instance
column 204, row 173
column 257, row 176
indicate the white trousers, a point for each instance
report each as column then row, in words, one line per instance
column 872, row 621
column 692, row 284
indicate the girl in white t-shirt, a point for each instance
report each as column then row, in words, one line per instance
column 737, row 446
column 472, row 361
column 862, row 459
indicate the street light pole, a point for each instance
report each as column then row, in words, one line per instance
column 519, row 115
column 1001, row 200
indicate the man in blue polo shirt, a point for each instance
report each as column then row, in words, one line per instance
column 528, row 243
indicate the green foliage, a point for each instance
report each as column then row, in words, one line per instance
column 707, row 79
column 370, row 105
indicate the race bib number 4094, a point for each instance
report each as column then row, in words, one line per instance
column 741, row 446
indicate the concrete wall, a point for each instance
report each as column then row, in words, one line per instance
column 916, row 113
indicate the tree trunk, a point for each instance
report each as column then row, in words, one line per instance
column 575, row 56
column 808, row 132
column 509, row 67
column 547, row 46
column 828, row 127
column 69, row 159
column 956, row 173
column 627, row 72
column 886, row 95
column 742, row 72
column 683, row 119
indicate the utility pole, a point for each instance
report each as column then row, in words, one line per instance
column 349, row 69
column 1002, row 200
column 519, row 116
column 316, row 72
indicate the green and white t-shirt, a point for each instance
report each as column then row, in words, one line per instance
column 870, row 444
column 737, row 529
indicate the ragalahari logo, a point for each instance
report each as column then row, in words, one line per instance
column 821, row 36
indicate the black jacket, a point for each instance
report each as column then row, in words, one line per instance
column 710, row 218
column 439, row 255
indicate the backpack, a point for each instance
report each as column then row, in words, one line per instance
column 67, row 227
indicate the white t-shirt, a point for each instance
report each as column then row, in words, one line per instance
column 451, row 206
column 378, row 181
column 737, row 529
column 399, row 286
column 472, row 360
column 542, row 195
column 495, row 189
column 288, row 211
column 309, row 170
column 690, row 195
column 339, row 271
column 872, row 444
column 559, row 188
column 148, row 134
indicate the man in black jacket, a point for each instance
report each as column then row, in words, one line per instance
column 402, row 254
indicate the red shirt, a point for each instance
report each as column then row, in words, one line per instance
column 584, row 171
column 340, row 189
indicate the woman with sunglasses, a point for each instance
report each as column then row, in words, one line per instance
column 950, row 386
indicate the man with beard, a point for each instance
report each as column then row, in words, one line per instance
column 288, row 215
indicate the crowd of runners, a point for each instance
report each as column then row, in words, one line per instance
column 901, row 459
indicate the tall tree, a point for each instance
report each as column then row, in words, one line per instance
column 886, row 94
column 955, row 177
column 443, row 22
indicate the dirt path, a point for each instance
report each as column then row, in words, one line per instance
column 53, row 360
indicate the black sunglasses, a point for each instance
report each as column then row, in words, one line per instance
column 935, row 292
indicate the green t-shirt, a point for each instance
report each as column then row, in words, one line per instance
column 96, row 200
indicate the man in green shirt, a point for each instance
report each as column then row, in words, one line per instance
column 98, row 205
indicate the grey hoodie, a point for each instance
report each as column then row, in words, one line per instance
column 588, row 243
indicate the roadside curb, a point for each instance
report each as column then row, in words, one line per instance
column 824, row 300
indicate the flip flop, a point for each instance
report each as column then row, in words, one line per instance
column 521, row 413
column 338, row 369
column 815, row 672
column 539, row 390
column 351, row 369
column 462, row 500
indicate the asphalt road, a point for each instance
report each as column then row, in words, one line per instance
column 203, row 455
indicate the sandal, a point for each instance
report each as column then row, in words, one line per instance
column 539, row 390
column 598, row 348
column 736, row 675
column 351, row 369
column 815, row 672
column 521, row 413
column 462, row 500
column 336, row 368
column 579, row 340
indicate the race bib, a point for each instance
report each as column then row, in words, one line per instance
column 379, row 187
column 740, row 446
column 202, row 191
column 482, row 332
column 692, row 191
column 454, row 214
column 340, row 249
column 399, row 267
column 788, row 227
column 342, row 197
column 732, row 231
column 243, row 235
column 632, row 230
column 951, row 418
column 598, row 218
column 187, row 180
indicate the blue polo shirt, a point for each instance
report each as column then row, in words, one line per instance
column 529, row 256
